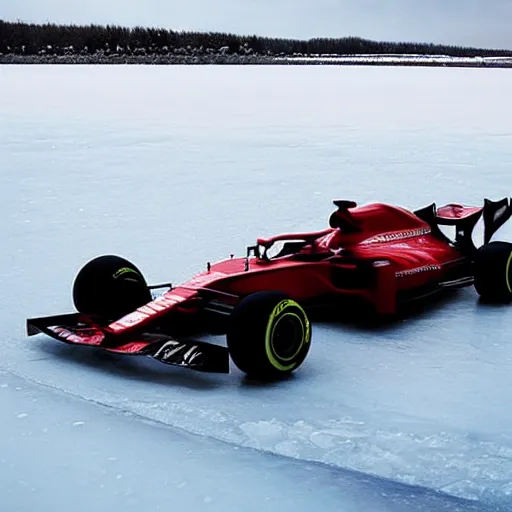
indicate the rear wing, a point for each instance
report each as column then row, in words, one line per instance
column 464, row 218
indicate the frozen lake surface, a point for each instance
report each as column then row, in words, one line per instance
column 174, row 166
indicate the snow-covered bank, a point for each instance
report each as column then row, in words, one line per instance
column 399, row 60
column 254, row 59
column 103, row 58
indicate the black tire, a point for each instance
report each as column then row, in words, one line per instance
column 110, row 287
column 493, row 272
column 269, row 335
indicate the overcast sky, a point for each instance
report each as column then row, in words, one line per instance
column 483, row 23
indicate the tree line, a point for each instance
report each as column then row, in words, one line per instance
column 49, row 38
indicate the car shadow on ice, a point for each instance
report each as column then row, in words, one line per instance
column 492, row 305
column 254, row 383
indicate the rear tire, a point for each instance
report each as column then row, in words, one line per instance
column 269, row 335
column 493, row 272
column 110, row 287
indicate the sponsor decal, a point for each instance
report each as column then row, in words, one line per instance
column 147, row 309
column 141, row 314
column 282, row 305
column 116, row 327
column 202, row 279
column 123, row 271
column 162, row 303
column 88, row 336
column 398, row 235
column 327, row 241
column 174, row 352
column 155, row 306
column 417, row 270
column 132, row 319
column 135, row 347
column 167, row 299
column 381, row 263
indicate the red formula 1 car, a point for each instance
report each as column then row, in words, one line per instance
column 384, row 255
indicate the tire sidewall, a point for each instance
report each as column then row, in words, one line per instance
column 493, row 272
column 251, row 335
column 287, row 308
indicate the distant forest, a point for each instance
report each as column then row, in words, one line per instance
column 51, row 39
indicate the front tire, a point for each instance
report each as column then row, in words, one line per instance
column 493, row 272
column 110, row 287
column 269, row 335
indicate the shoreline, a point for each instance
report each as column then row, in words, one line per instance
column 101, row 58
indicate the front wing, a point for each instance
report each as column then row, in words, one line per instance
column 76, row 329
